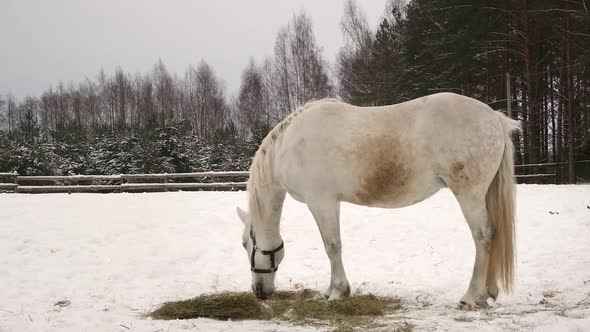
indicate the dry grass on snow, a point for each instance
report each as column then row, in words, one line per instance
column 304, row 307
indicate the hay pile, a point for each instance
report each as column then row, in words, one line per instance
column 217, row 306
column 299, row 307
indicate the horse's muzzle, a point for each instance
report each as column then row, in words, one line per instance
column 260, row 293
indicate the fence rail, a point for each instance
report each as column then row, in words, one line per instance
column 235, row 180
column 551, row 173
column 12, row 182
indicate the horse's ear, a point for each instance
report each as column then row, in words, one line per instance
column 242, row 214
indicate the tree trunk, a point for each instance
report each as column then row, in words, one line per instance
column 570, row 111
column 531, row 86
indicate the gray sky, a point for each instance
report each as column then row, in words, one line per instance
column 45, row 41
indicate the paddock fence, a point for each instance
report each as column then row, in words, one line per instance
column 547, row 173
column 224, row 181
column 552, row 173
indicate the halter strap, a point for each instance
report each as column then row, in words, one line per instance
column 270, row 253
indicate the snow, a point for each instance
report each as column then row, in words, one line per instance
column 117, row 256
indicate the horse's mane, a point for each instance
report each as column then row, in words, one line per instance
column 262, row 165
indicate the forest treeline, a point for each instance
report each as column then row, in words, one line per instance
column 536, row 52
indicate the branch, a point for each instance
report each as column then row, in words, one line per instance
column 572, row 33
column 552, row 10
column 498, row 50
column 509, row 12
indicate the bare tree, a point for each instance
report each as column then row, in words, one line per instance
column 121, row 89
column 47, row 106
column 203, row 100
column 189, row 98
column 10, row 112
column 354, row 57
column 90, row 105
column 253, row 109
column 54, row 107
column 27, row 124
column 355, row 27
column 3, row 115
column 300, row 71
column 146, row 114
column 164, row 94
column 75, row 106
column 272, row 95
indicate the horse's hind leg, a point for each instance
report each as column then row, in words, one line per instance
column 474, row 209
column 327, row 216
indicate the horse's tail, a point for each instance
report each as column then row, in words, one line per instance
column 500, row 206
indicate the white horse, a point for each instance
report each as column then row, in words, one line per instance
column 391, row 156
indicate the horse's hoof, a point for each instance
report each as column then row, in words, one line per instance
column 346, row 292
column 336, row 296
column 473, row 305
column 463, row 305
column 494, row 296
column 337, row 293
column 493, row 292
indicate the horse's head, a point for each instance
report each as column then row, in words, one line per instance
column 264, row 262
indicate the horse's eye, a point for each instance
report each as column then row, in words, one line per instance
column 244, row 244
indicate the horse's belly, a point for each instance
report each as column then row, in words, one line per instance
column 396, row 197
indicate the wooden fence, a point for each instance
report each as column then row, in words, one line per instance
column 537, row 173
column 12, row 182
column 551, row 173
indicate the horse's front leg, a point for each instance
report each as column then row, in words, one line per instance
column 327, row 216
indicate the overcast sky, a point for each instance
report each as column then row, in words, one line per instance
column 45, row 41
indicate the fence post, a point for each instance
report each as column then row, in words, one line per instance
column 15, row 181
column 123, row 181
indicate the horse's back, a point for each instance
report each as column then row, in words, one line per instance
column 389, row 156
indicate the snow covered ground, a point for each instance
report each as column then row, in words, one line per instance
column 116, row 256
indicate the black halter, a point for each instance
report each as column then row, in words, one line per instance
column 272, row 253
